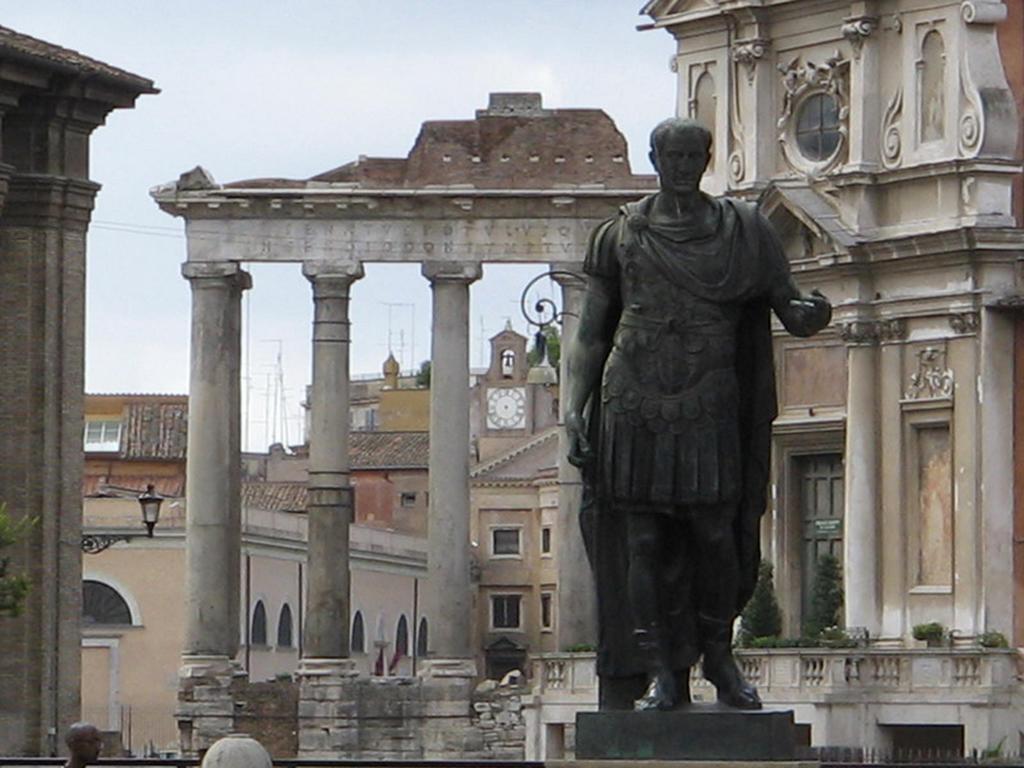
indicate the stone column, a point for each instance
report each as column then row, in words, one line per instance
column 994, row 439
column 330, row 509
column 860, row 537
column 213, row 503
column 576, row 601
column 449, row 600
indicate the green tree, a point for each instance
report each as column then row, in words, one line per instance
column 826, row 596
column 553, row 343
column 761, row 617
column 423, row 375
column 13, row 586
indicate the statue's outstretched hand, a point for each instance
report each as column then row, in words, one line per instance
column 812, row 312
column 580, row 451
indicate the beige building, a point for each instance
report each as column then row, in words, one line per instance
column 134, row 591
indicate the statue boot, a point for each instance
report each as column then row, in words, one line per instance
column 720, row 666
column 661, row 690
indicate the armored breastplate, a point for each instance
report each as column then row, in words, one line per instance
column 673, row 356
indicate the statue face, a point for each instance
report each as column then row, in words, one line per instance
column 680, row 160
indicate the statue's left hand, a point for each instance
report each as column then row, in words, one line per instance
column 811, row 313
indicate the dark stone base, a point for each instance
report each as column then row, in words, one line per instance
column 696, row 732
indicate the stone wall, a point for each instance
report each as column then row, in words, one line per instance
column 409, row 719
column 268, row 712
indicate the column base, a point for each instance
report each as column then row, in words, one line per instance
column 457, row 668
column 206, row 701
column 318, row 668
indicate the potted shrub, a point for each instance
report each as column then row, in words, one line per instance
column 932, row 633
column 993, row 639
column 761, row 620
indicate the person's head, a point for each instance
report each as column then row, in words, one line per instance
column 680, row 152
column 85, row 742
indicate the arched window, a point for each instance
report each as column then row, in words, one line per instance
column 402, row 637
column 508, row 363
column 421, row 638
column 705, row 102
column 103, row 605
column 933, row 87
column 284, row 627
column 358, row 644
column 258, row 636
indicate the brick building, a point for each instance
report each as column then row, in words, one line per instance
column 52, row 99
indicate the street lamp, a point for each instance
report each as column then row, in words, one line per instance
column 542, row 372
column 149, row 504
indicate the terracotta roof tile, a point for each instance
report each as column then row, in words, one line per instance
column 276, row 497
column 25, row 46
column 389, row 450
column 155, row 431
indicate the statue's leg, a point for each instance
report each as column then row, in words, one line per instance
column 717, row 585
column 645, row 538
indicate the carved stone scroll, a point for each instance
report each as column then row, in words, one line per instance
column 856, row 30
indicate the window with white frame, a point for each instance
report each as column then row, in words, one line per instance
column 505, row 613
column 103, row 435
column 505, row 542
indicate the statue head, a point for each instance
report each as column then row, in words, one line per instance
column 680, row 152
column 85, row 741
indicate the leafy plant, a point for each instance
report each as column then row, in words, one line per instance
column 993, row 639
column 552, row 345
column 761, row 618
column 932, row 631
column 13, row 586
column 423, row 375
column 826, row 597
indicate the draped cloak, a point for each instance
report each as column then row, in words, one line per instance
column 751, row 268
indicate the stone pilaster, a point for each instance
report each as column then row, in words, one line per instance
column 860, row 537
column 994, row 437
column 42, row 340
column 330, row 492
column 576, row 600
column 449, row 599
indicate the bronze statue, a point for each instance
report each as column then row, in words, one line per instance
column 670, row 401
column 84, row 741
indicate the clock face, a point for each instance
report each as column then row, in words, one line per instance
column 506, row 408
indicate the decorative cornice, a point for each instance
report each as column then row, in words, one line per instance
column 748, row 53
column 856, row 30
column 873, row 331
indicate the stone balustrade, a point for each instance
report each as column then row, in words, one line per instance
column 838, row 692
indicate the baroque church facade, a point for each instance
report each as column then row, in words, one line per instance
column 881, row 140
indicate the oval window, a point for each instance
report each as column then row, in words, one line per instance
column 817, row 126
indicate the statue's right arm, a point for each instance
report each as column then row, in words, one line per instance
column 587, row 353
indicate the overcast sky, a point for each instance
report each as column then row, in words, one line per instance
column 273, row 88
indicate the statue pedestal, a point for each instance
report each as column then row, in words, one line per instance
column 697, row 732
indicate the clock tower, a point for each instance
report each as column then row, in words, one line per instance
column 508, row 408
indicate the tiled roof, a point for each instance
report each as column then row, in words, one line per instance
column 27, row 47
column 155, row 431
column 276, row 497
column 389, row 450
